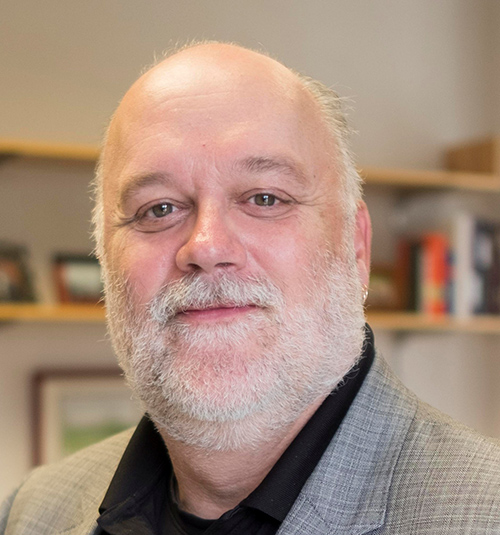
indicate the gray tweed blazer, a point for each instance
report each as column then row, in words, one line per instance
column 395, row 466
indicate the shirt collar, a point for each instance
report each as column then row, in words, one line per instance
column 144, row 462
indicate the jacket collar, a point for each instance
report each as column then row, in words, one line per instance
column 348, row 491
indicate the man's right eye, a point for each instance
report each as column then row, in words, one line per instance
column 160, row 210
column 156, row 216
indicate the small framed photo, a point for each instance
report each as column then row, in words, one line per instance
column 77, row 278
column 383, row 291
column 75, row 408
column 15, row 280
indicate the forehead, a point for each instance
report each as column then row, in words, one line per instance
column 206, row 104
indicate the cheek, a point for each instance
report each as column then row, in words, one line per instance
column 145, row 264
column 287, row 256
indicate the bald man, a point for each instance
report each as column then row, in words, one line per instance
column 235, row 250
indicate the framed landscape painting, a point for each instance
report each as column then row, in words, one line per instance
column 73, row 409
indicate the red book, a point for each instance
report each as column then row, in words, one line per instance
column 434, row 272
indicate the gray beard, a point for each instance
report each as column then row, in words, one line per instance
column 230, row 386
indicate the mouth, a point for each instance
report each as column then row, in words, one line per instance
column 216, row 313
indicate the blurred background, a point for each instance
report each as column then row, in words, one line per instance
column 420, row 76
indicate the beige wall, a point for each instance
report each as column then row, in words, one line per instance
column 418, row 71
column 422, row 74
column 495, row 22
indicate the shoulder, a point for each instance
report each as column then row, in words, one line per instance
column 396, row 465
column 447, row 476
column 56, row 497
column 427, row 472
column 437, row 433
column 427, row 438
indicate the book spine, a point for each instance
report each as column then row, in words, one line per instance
column 463, row 271
column 434, row 273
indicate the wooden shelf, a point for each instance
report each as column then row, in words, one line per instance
column 397, row 178
column 401, row 178
column 407, row 321
column 418, row 179
column 32, row 312
column 13, row 148
column 394, row 321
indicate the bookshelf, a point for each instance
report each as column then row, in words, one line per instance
column 34, row 150
column 413, row 322
column 37, row 313
column 374, row 176
column 403, row 179
column 424, row 179
column 393, row 321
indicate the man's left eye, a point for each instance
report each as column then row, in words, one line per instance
column 265, row 199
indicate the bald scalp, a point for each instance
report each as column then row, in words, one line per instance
column 218, row 67
column 207, row 68
column 210, row 68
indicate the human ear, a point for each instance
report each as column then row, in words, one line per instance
column 362, row 243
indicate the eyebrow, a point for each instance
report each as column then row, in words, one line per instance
column 252, row 164
column 263, row 164
column 138, row 182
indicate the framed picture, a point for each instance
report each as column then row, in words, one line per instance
column 75, row 408
column 77, row 278
column 15, row 281
column 383, row 291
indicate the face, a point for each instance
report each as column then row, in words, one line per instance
column 233, row 300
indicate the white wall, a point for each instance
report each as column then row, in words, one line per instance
column 422, row 74
column 495, row 21
column 495, row 86
column 418, row 70
column 25, row 349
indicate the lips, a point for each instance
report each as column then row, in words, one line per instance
column 211, row 307
column 216, row 312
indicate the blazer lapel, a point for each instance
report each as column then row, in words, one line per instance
column 87, row 517
column 347, row 492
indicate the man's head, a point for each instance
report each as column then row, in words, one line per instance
column 234, row 244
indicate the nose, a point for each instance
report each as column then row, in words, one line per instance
column 212, row 245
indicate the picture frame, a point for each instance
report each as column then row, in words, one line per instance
column 74, row 408
column 16, row 284
column 384, row 293
column 77, row 278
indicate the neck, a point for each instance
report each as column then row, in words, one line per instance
column 213, row 482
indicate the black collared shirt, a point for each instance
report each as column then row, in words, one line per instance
column 141, row 501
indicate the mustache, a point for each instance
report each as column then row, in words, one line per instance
column 195, row 291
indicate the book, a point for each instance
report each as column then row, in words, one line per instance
column 476, row 266
column 433, row 273
column 448, row 257
column 423, row 273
